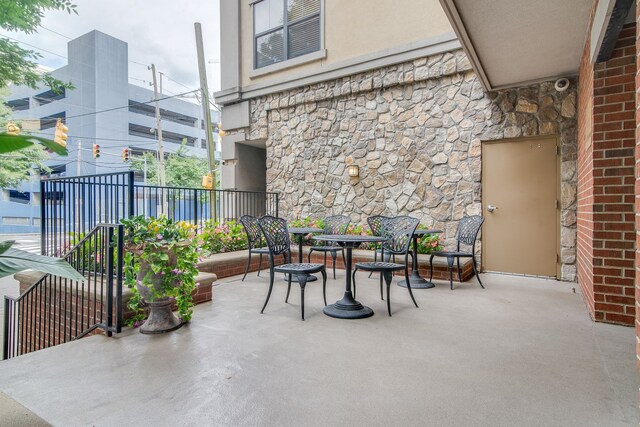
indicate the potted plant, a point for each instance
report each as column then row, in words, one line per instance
column 160, row 268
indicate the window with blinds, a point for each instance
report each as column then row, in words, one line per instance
column 285, row 29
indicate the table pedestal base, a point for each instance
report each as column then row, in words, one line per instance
column 348, row 308
column 417, row 282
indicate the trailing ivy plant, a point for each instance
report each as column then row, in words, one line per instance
column 161, row 257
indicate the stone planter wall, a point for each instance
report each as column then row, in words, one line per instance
column 415, row 130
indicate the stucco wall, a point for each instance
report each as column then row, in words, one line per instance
column 415, row 129
column 427, row 19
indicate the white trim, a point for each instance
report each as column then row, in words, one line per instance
column 458, row 26
column 599, row 25
column 423, row 48
column 279, row 66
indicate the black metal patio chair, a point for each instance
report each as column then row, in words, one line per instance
column 336, row 224
column 277, row 235
column 255, row 241
column 468, row 229
column 398, row 231
column 375, row 225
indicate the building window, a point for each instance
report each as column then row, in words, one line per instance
column 19, row 197
column 18, row 104
column 285, row 29
column 49, row 122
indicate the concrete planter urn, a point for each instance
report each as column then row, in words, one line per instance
column 161, row 318
column 160, row 266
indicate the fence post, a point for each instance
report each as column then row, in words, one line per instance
column 109, row 248
column 43, row 218
column 5, row 338
column 130, row 190
column 119, row 270
column 195, row 206
column 277, row 204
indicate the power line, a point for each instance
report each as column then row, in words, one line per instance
column 33, row 46
column 69, row 38
column 128, row 105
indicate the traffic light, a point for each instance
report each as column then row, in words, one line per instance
column 60, row 136
column 125, row 154
column 207, row 182
column 96, row 151
column 13, row 129
column 221, row 131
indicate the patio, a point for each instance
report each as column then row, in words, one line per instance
column 521, row 352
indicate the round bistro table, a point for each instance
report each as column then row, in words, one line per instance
column 300, row 232
column 417, row 282
column 348, row 307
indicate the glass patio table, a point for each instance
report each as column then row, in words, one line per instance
column 348, row 307
column 300, row 232
column 417, row 282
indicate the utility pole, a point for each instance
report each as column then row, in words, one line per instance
column 205, row 102
column 78, row 158
column 161, row 173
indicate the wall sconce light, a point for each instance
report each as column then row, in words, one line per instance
column 354, row 171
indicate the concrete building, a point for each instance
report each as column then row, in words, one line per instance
column 450, row 108
column 104, row 109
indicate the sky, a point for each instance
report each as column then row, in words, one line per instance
column 157, row 31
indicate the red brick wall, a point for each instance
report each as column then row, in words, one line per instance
column 584, row 253
column 606, row 206
column 637, row 187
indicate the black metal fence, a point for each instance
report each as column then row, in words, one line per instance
column 56, row 310
column 72, row 206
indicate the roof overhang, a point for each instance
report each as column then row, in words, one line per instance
column 519, row 42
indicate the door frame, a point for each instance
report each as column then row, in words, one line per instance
column 556, row 139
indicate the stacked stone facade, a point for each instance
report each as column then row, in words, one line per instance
column 415, row 130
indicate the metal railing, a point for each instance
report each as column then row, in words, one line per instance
column 56, row 310
column 71, row 206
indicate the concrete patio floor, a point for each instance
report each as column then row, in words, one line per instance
column 522, row 352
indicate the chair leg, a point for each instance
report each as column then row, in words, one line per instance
column 408, row 282
column 289, row 287
column 388, row 276
column 324, row 286
column 353, row 282
column 334, row 255
column 260, row 265
column 271, row 273
column 375, row 259
column 246, row 269
column 309, row 256
column 475, row 271
column 381, row 292
column 459, row 271
column 431, row 267
column 450, row 264
column 302, row 280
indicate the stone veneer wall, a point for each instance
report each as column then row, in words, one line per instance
column 415, row 130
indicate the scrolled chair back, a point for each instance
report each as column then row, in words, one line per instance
column 336, row 224
column 375, row 224
column 251, row 227
column 398, row 231
column 276, row 234
column 468, row 229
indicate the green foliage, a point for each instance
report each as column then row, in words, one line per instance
column 223, row 237
column 17, row 65
column 14, row 260
column 162, row 255
column 18, row 165
column 426, row 244
column 181, row 168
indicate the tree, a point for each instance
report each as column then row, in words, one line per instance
column 17, row 65
column 182, row 169
column 18, row 165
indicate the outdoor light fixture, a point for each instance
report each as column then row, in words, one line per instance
column 353, row 170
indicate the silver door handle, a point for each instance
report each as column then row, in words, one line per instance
column 491, row 208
